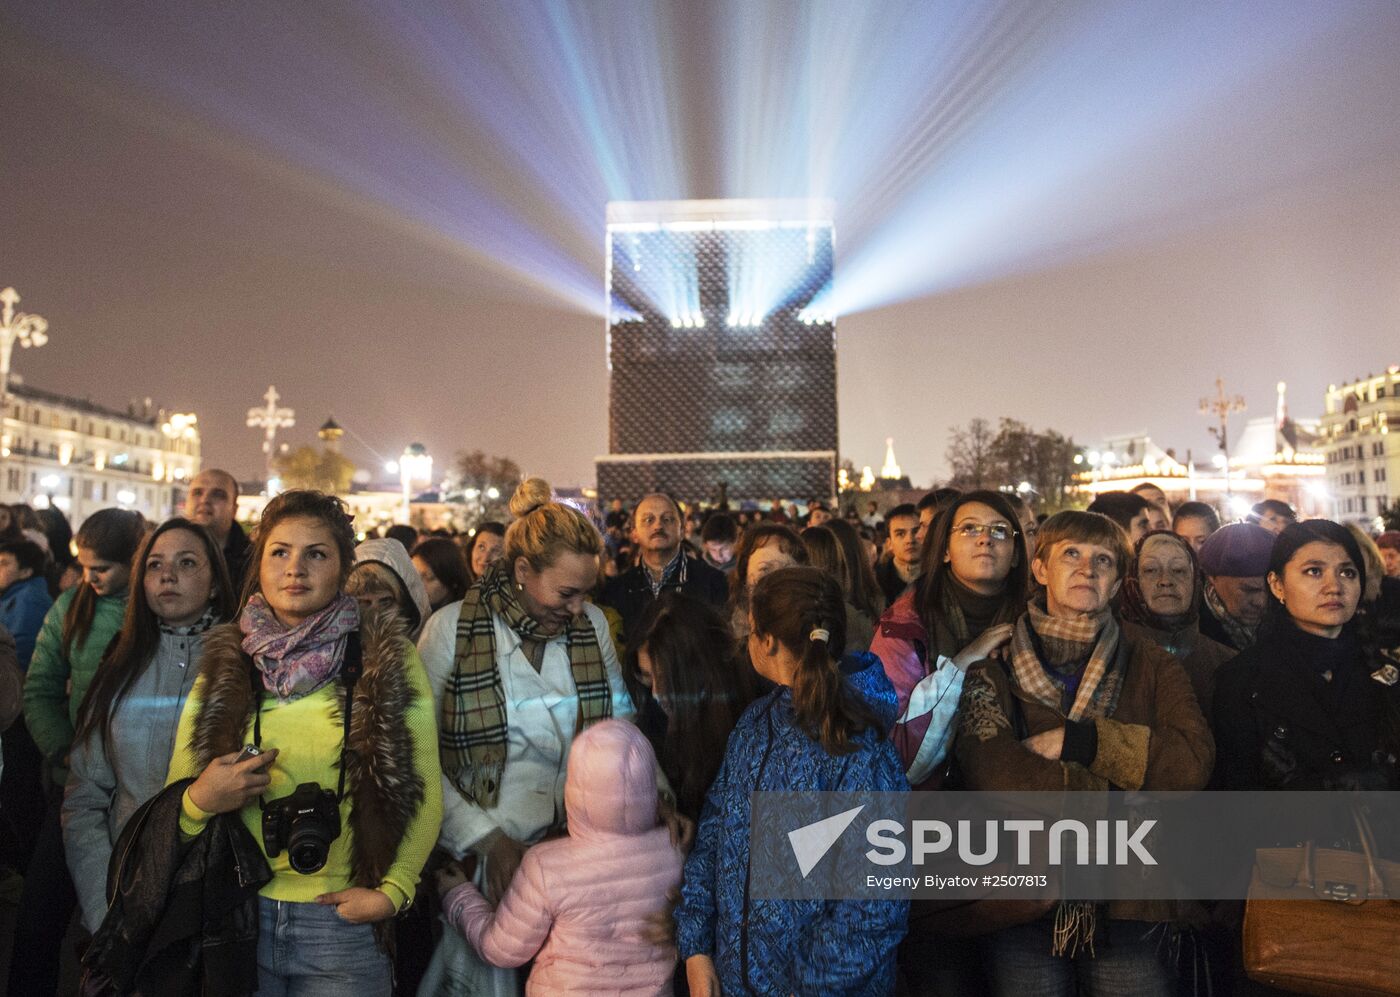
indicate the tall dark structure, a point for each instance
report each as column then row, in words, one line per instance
column 723, row 359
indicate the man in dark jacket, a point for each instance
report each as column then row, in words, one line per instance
column 1235, row 559
column 664, row 566
column 213, row 502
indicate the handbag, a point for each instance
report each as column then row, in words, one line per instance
column 1324, row 921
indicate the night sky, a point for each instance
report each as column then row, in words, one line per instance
column 1076, row 214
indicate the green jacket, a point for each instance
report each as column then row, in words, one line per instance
column 55, row 684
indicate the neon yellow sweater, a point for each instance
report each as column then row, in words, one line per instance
column 307, row 736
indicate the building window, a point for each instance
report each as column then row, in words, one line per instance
column 1360, row 477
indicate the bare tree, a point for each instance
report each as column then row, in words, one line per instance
column 969, row 454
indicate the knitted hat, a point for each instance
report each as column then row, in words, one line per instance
column 1389, row 540
column 1240, row 550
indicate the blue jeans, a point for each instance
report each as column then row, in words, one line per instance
column 306, row 950
column 1125, row 963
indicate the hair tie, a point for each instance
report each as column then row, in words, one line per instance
column 818, row 633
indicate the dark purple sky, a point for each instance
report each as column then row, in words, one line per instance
column 1075, row 219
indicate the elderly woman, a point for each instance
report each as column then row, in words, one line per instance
column 1082, row 704
column 518, row 668
column 1161, row 601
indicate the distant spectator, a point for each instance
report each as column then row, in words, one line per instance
column 931, row 505
column 824, row 552
column 443, row 568
column 664, row 566
column 1027, row 522
column 487, row 545
column 900, row 564
column 872, row 514
column 718, row 536
column 404, row 534
column 1130, row 511
column 864, row 590
column 1389, row 544
column 1194, row 522
column 24, row 595
column 212, row 502
column 763, row 549
column 1160, row 517
column 9, row 525
column 1273, row 515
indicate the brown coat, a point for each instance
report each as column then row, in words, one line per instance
column 1202, row 659
column 1156, row 739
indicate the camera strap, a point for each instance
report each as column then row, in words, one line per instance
column 350, row 670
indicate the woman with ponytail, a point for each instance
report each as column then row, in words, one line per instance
column 75, row 634
column 821, row 730
column 518, row 668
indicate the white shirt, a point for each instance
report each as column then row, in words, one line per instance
column 541, row 710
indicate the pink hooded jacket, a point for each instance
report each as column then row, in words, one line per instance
column 583, row 902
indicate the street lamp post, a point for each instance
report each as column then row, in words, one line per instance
column 414, row 465
column 1222, row 407
column 17, row 327
column 269, row 419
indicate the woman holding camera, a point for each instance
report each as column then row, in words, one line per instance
column 345, row 794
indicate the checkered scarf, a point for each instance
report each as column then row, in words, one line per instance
column 1059, row 641
column 474, row 722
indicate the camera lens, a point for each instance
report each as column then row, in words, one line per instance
column 307, row 852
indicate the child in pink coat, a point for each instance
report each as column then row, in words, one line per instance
column 586, row 907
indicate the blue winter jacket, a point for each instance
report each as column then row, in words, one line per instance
column 22, row 609
column 790, row 946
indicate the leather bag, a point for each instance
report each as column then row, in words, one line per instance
column 1324, row 921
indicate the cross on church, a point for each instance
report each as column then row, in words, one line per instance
column 270, row 418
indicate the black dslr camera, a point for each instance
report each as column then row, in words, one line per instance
column 305, row 824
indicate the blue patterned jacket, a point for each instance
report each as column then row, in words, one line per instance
column 790, row 946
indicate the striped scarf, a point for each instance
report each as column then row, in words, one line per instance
column 474, row 720
column 1062, row 641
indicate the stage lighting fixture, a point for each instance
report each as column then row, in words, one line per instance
column 721, row 352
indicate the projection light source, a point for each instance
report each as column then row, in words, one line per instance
column 743, row 401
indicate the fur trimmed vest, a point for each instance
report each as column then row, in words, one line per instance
column 384, row 788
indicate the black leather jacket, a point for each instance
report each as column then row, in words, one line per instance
column 182, row 916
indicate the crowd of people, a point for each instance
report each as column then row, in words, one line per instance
column 521, row 760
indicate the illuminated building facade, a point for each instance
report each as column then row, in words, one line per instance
column 1362, row 454
column 722, row 357
column 82, row 457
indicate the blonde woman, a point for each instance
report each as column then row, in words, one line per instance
column 516, row 668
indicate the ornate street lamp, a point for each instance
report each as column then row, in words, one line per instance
column 17, row 327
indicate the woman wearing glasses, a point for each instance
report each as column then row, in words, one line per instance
column 971, row 589
column 126, row 723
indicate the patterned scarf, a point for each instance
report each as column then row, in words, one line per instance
column 1240, row 635
column 197, row 627
column 474, row 722
column 1058, row 642
column 296, row 661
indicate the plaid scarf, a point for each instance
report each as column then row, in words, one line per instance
column 474, row 721
column 1041, row 642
